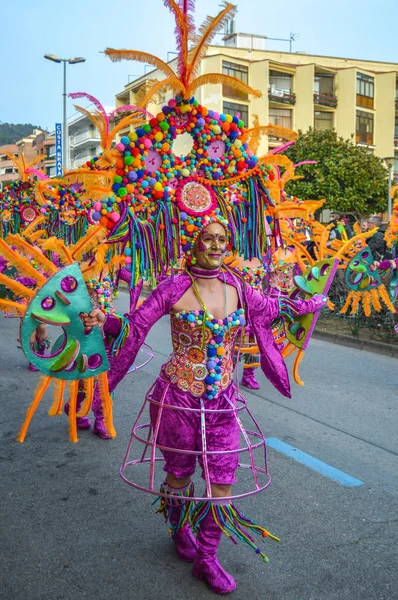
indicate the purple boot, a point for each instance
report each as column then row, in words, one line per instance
column 176, row 510
column 205, row 564
column 249, row 379
column 81, row 422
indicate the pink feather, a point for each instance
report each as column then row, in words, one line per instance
column 132, row 108
column 96, row 102
column 305, row 162
column 281, row 148
column 38, row 174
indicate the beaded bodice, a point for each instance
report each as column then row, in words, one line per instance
column 202, row 358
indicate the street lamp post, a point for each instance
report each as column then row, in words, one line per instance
column 389, row 160
column 71, row 61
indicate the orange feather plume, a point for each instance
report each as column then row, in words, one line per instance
column 32, row 252
column 21, row 264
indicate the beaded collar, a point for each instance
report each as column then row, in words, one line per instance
column 204, row 273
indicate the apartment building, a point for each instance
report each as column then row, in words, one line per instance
column 8, row 171
column 44, row 145
column 84, row 139
column 358, row 98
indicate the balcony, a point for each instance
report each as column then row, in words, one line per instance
column 83, row 137
column 325, row 99
column 281, row 96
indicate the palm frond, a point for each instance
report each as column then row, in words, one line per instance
column 138, row 56
column 170, row 83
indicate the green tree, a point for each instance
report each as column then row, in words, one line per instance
column 12, row 132
column 348, row 176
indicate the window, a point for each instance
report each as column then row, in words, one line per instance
column 239, row 72
column 324, row 84
column 364, row 129
column 282, row 117
column 323, row 120
column 237, row 110
column 280, row 81
column 365, row 91
column 9, row 170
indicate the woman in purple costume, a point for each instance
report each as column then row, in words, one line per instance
column 208, row 304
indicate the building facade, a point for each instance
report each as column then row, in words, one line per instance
column 357, row 98
column 84, row 139
column 8, row 171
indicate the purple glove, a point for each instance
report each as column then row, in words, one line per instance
column 297, row 307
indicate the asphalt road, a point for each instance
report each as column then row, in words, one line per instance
column 71, row 529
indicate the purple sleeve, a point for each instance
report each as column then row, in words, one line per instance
column 269, row 309
column 131, row 330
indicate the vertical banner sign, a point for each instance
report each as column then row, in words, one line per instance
column 58, row 150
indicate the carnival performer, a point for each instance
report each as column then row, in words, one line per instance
column 208, row 305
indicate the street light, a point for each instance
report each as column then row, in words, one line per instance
column 71, row 61
column 389, row 160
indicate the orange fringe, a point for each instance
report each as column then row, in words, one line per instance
column 73, row 389
column 375, row 299
column 21, row 263
column 347, row 302
column 14, row 308
column 43, row 384
column 95, row 235
column 19, row 290
column 297, row 361
column 58, row 403
column 30, row 228
column 366, row 303
column 53, row 244
column 386, row 298
column 288, row 349
column 355, row 303
column 106, row 399
column 32, row 252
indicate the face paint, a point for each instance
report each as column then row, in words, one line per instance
column 211, row 247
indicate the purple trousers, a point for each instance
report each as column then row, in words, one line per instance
column 182, row 429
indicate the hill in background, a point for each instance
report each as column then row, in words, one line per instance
column 11, row 133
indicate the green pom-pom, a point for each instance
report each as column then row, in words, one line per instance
column 146, row 128
column 164, row 126
column 128, row 160
column 122, row 192
column 117, row 179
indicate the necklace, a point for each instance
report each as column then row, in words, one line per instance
column 204, row 273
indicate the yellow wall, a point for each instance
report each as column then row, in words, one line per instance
column 304, row 89
column 385, row 114
column 345, row 90
column 258, row 79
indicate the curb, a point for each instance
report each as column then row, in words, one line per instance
column 351, row 342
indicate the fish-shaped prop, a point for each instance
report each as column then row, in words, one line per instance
column 59, row 299
column 365, row 285
column 317, row 279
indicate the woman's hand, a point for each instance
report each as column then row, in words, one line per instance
column 96, row 317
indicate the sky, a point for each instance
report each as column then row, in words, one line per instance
column 31, row 87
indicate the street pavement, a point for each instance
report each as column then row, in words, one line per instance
column 72, row 529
